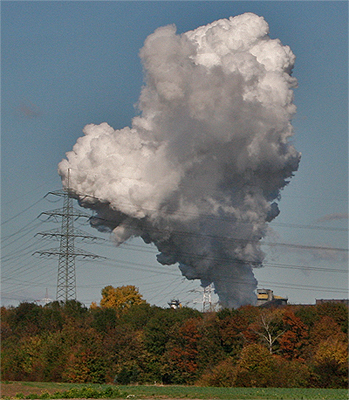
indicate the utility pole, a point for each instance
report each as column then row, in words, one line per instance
column 67, row 253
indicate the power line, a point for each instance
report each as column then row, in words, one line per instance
column 149, row 268
column 264, row 264
column 96, row 200
column 227, row 238
column 58, row 213
column 314, row 227
column 20, row 213
column 21, row 252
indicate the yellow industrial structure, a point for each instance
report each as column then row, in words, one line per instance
column 266, row 298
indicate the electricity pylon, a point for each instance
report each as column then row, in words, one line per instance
column 67, row 252
column 207, row 298
column 206, row 301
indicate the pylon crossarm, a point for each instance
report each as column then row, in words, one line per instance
column 86, row 254
column 62, row 193
column 73, row 212
column 57, row 233
column 77, row 253
column 47, row 253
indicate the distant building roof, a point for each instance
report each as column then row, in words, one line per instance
column 262, row 296
column 266, row 298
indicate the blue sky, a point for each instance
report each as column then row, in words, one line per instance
column 68, row 64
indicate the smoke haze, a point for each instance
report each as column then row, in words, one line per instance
column 200, row 168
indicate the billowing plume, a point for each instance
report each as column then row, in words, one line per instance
column 200, row 169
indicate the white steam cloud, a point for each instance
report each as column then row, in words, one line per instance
column 199, row 170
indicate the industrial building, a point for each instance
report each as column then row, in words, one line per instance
column 266, row 298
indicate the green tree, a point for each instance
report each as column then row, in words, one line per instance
column 256, row 367
column 103, row 319
column 26, row 319
column 138, row 315
column 162, row 329
column 22, row 359
column 308, row 315
column 55, row 351
column 52, row 317
column 74, row 310
column 162, row 325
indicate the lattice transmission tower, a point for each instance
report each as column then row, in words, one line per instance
column 67, row 252
column 207, row 298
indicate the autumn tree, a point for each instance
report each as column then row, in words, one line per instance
column 160, row 334
column 331, row 363
column 232, row 324
column 120, row 298
column 221, row 375
column 291, row 373
column 268, row 328
column 55, row 351
column 5, row 327
column 86, row 361
column 124, row 353
column 132, row 341
column 210, row 350
column 325, row 328
column 256, row 367
column 337, row 311
column 294, row 341
column 180, row 358
column 20, row 358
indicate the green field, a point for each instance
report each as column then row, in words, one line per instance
column 192, row 392
column 35, row 389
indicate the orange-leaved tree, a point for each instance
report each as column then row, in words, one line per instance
column 180, row 361
column 121, row 298
column 331, row 362
column 294, row 341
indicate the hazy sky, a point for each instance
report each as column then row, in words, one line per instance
column 68, row 64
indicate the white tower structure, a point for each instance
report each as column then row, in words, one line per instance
column 207, row 298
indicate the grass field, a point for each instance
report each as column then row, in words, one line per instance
column 193, row 392
column 23, row 389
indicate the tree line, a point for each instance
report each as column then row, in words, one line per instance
column 126, row 340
